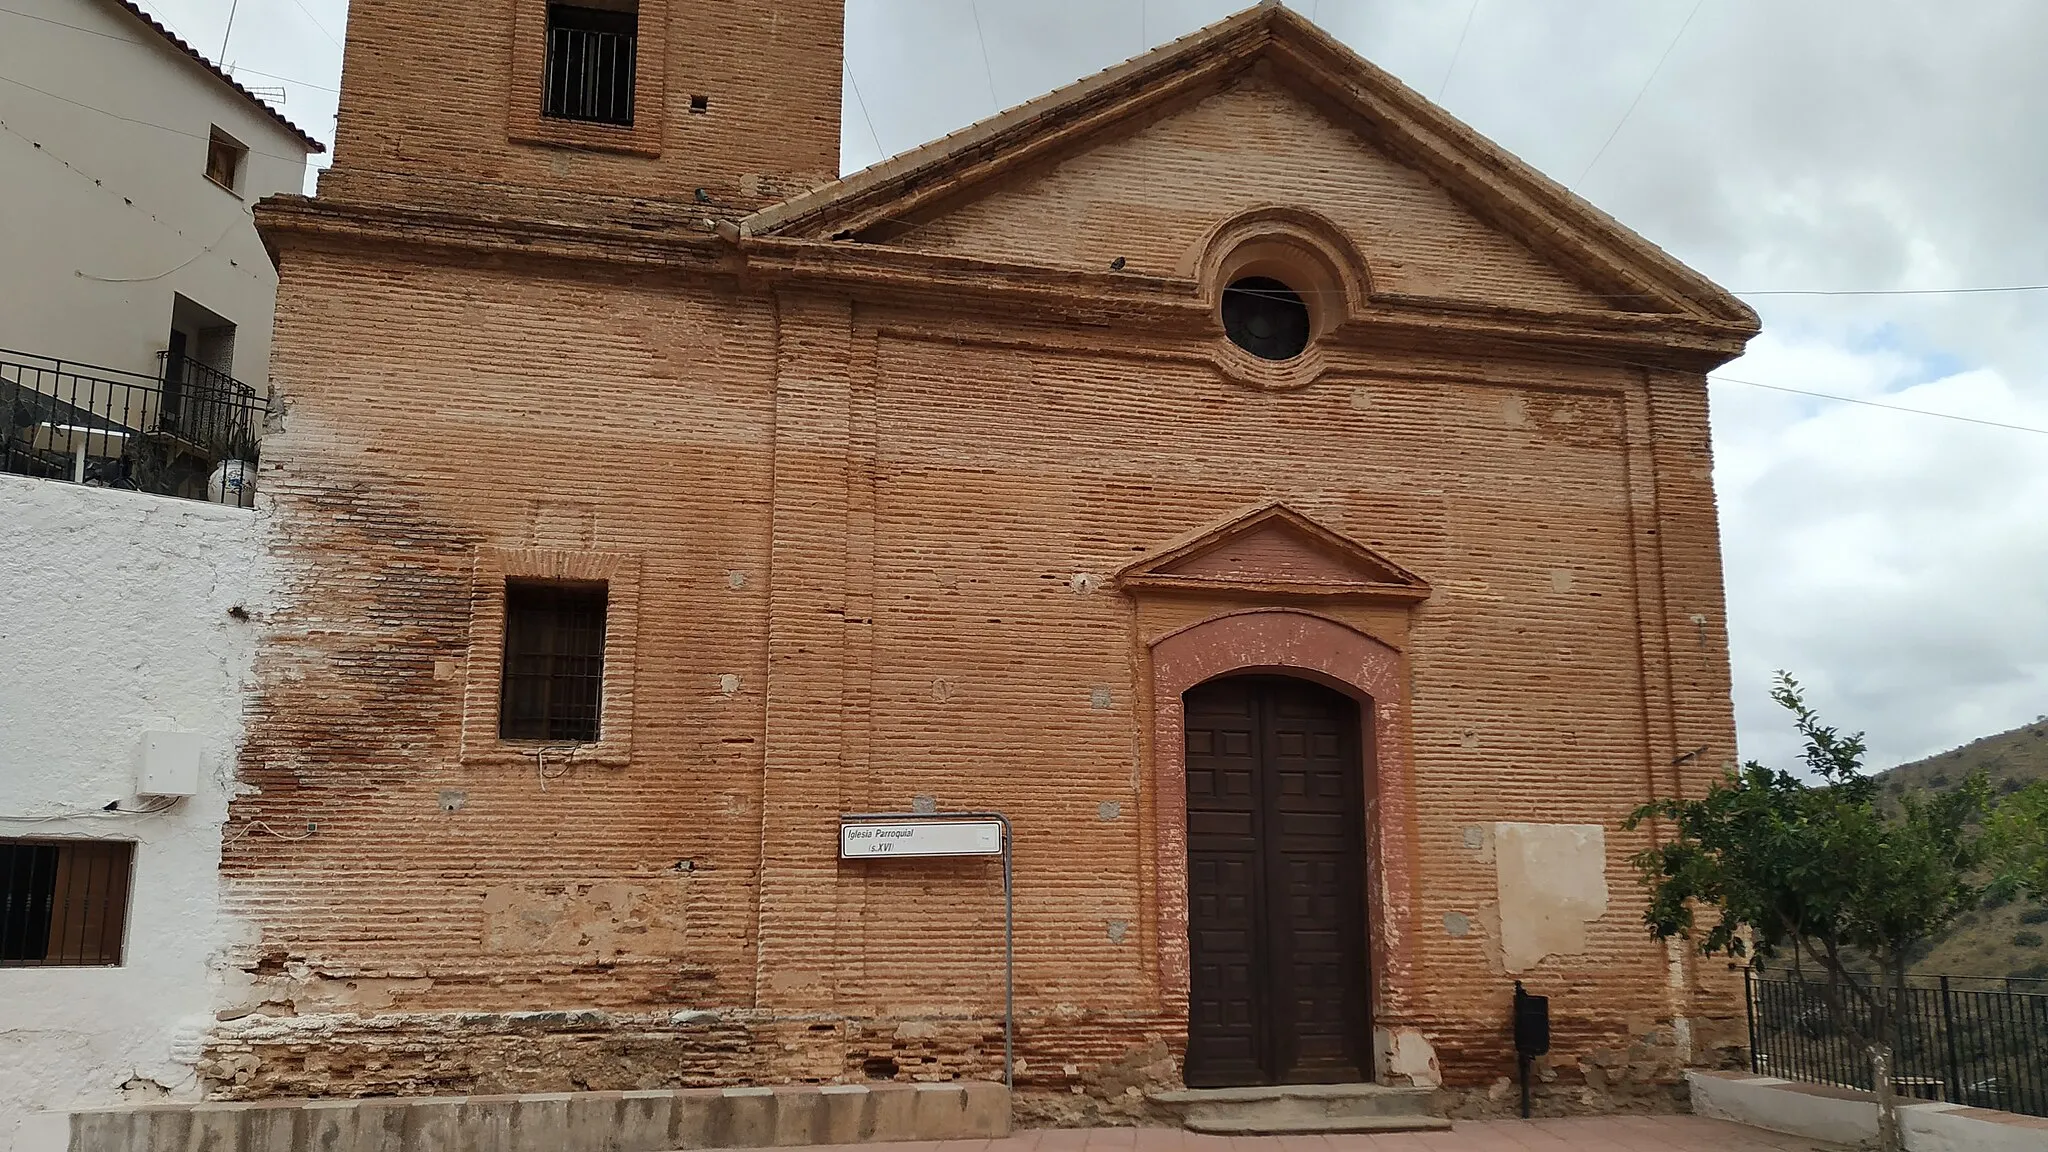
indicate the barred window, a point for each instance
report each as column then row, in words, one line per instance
column 553, row 674
column 63, row 903
column 590, row 63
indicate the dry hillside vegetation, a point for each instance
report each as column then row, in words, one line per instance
column 2012, row 939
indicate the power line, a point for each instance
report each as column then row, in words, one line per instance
column 854, row 85
column 1457, row 51
column 988, row 69
column 1895, row 291
column 1607, row 359
column 284, row 79
column 129, row 201
column 1881, row 404
column 141, row 123
column 1641, row 92
column 140, row 44
column 1966, row 291
column 331, row 37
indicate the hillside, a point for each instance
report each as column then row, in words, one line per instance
column 2019, row 755
column 1983, row 943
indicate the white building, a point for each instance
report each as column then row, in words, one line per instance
column 129, row 165
column 135, row 316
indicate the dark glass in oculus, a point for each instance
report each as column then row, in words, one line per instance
column 1265, row 318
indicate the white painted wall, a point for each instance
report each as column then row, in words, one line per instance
column 114, row 621
column 108, row 212
column 1849, row 1118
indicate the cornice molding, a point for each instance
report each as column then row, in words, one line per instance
column 911, row 277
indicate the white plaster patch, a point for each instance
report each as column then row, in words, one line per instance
column 1552, row 883
column 1406, row 1052
column 117, row 622
column 607, row 920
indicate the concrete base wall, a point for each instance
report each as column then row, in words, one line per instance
column 1845, row 1116
column 548, row 1122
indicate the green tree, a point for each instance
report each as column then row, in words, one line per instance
column 1826, row 874
column 2019, row 840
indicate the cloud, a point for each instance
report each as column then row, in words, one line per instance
column 1894, row 561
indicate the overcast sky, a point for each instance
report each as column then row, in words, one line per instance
column 1897, row 563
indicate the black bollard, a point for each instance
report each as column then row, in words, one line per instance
column 1532, row 1035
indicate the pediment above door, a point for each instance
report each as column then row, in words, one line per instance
column 1273, row 550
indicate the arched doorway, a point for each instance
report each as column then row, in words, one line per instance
column 1277, row 990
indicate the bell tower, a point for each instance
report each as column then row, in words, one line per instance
column 576, row 105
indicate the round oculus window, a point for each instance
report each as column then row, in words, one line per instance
column 1265, row 318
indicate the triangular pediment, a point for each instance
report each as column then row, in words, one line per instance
column 927, row 198
column 1273, row 549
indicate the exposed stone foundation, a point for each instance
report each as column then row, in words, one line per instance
column 1646, row 1074
column 1104, row 1057
column 1079, row 1069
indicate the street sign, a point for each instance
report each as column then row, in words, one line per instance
column 864, row 840
column 881, row 835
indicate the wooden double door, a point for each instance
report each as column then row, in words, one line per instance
column 1276, row 885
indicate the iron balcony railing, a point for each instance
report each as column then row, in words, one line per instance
column 590, row 75
column 1966, row 1040
column 188, row 431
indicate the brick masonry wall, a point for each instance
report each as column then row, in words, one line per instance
column 1254, row 144
column 873, row 542
column 430, row 92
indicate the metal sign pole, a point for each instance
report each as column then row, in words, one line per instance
column 1009, row 907
column 1010, row 964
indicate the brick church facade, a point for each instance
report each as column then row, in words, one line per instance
column 1290, row 510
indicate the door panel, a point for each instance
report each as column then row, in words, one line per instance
column 1314, row 846
column 1276, row 926
column 1226, row 881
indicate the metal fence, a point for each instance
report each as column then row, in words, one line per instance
column 188, row 431
column 1966, row 1040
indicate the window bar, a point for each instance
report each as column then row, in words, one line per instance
column 97, row 911
column 630, row 75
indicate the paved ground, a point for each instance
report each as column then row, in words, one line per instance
column 1603, row 1134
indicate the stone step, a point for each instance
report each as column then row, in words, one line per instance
column 657, row 1121
column 1321, row 1127
column 1300, row 1108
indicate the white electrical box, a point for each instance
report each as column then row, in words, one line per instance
column 167, row 764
